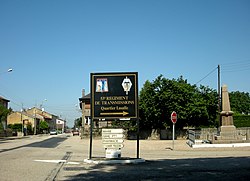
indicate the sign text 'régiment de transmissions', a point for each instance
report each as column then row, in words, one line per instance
column 114, row 95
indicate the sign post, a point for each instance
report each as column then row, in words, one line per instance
column 114, row 96
column 174, row 120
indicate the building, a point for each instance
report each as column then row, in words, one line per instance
column 23, row 118
column 4, row 102
column 32, row 117
column 60, row 125
column 85, row 105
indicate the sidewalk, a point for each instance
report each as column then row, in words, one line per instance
column 21, row 137
column 14, row 137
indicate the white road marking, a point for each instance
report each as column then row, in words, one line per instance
column 58, row 161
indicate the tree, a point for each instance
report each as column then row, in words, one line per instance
column 78, row 122
column 43, row 125
column 3, row 114
column 194, row 106
column 240, row 102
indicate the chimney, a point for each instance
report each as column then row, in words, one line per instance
column 83, row 92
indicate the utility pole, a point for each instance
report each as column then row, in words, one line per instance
column 35, row 123
column 83, row 114
column 22, row 119
column 219, row 92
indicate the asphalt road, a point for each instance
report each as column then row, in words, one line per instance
column 61, row 158
column 181, row 169
column 18, row 158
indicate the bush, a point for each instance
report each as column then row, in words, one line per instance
column 16, row 127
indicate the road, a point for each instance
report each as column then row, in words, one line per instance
column 18, row 157
column 61, row 158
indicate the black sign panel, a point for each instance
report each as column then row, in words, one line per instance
column 114, row 95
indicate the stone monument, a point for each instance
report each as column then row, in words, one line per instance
column 227, row 129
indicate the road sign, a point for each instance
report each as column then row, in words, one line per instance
column 174, row 120
column 174, row 117
column 112, row 141
column 112, row 138
column 114, row 95
column 112, row 131
column 113, row 146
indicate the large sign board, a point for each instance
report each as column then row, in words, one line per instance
column 114, row 95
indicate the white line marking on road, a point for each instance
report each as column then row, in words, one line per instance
column 58, row 161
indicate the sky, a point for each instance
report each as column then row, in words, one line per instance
column 53, row 46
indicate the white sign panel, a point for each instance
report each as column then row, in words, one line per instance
column 108, row 136
column 112, row 131
column 112, row 141
column 112, row 138
column 113, row 146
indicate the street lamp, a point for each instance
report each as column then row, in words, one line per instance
column 10, row 70
column 5, row 121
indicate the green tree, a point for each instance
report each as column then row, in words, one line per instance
column 3, row 114
column 43, row 125
column 240, row 102
column 194, row 106
column 78, row 122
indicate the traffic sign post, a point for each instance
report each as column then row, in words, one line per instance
column 174, row 120
column 114, row 96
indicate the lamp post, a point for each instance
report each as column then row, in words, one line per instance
column 4, row 123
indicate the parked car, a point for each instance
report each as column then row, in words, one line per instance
column 75, row 132
column 53, row 132
column 14, row 133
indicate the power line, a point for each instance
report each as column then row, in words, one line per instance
column 13, row 102
column 236, row 63
column 236, row 66
column 207, row 75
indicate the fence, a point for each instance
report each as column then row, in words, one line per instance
column 206, row 135
column 191, row 137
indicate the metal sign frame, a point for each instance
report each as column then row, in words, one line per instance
column 121, row 89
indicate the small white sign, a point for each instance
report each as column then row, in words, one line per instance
column 112, row 131
column 112, row 141
column 113, row 146
column 114, row 136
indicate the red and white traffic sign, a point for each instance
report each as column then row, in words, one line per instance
column 174, row 117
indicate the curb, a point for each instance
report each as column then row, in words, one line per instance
column 221, row 145
column 107, row 162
